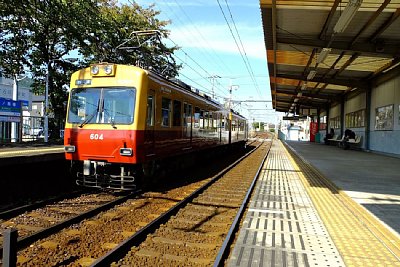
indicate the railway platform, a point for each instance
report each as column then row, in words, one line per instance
column 29, row 171
column 20, row 154
column 318, row 205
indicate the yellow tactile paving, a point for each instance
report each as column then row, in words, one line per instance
column 21, row 152
column 359, row 237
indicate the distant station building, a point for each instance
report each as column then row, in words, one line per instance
column 25, row 113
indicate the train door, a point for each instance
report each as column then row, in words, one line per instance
column 150, row 124
column 187, row 122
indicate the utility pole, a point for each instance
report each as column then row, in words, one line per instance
column 230, row 108
column 46, row 96
column 14, row 128
column 213, row 77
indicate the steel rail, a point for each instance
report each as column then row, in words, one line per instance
column 225, row 248
column 7, row 214
column 28, row 240
column 123, row 248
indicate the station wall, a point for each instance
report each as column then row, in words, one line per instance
column 334, row 111
column 384, row 135
column 385, row 118
column 357, row 106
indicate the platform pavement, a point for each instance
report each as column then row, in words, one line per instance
column 281, row 226
column 370, row 179
column 297, row 216
column 17, row 150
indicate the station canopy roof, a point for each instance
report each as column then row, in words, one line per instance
column 320, row 52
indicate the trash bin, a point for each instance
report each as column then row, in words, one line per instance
column 317, row 137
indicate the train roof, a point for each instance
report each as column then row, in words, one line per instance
column 193, row 90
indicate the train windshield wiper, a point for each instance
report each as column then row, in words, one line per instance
column 111, row 120
column 113, row 124
column 89, row 118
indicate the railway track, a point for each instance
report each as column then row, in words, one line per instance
column 86, row 240
column 200, row 232
column 35, row 224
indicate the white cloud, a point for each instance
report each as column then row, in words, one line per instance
column 219, row 38
column 196, row 3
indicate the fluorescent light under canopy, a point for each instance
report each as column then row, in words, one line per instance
column 311, row 75
column 348, row 13
column 323, row 55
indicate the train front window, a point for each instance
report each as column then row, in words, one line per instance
column 102, row 106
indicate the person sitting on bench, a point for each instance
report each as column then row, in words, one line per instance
column 329, row 136
column 348, row 135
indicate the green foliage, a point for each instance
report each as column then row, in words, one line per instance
column 36, row 35
column 114, row 38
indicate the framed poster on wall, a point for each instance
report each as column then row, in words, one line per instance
column 384, row 118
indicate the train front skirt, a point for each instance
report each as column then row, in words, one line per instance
column 101, row 174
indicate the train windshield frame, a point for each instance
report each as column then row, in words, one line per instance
column 106, row 105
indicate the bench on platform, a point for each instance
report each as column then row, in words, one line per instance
column 352, row 143
column 337, row 141
column 333, row 140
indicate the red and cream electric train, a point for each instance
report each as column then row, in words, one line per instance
column 123, row 121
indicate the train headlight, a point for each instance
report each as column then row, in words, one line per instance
column 108, row 69
column 126, row 151
column 103, row 70
column 69, row 149
column 94, row 69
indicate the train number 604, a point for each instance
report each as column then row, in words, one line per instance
column 96, row 136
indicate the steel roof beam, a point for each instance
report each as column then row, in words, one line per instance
column 387, row 76
column 321, row 97
column 343, row 82
column 370, row 21
column 329, row 19
column 385, row 25
column 369, row 48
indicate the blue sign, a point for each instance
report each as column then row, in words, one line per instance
column 25, row 103
column 10, row 107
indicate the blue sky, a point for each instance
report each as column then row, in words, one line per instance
column 209, row 47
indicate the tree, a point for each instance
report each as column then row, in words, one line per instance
column 13, row 44
column 36, row 35
column 117, row 25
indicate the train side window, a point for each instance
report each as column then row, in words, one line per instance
column 188, row 114
column 206, row 118
column 165, row 112
column 215, row 119
column 196, row 117
column 202, row 120
column 177, row 113
column 150, row 111
column 210, row 120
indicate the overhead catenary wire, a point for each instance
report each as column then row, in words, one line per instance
column 194, row 35
column 204, row 77
column 176, row 11
column 218, row 85
column 242, row 53
column 192, row 68
column 199, row 33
